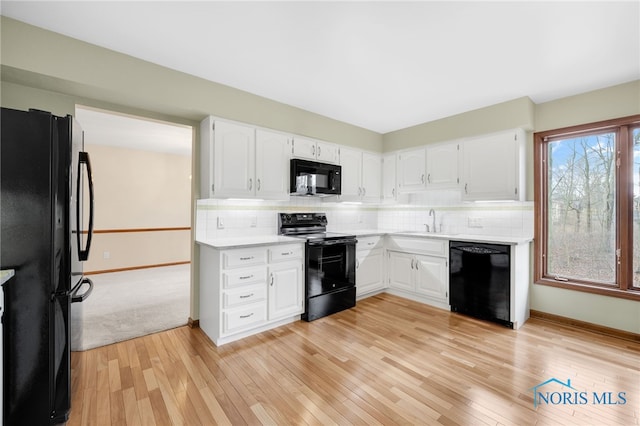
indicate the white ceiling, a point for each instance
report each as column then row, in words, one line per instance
column 124, row 131
column 379, row 65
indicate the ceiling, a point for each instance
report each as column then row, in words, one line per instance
column 379, row 65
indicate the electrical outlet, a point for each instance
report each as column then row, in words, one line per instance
column 106, row 255
column 475, row 222
column 220, row 223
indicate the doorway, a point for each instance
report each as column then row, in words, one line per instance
column 141, row 250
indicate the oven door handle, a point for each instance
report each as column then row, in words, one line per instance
column 332, row 242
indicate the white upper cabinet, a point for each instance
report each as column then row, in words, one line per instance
column 389, row 190
column 411, row 172
column 371, row 177
column 315, row 150
column 272, row 165
column 492, row 167
column 233, row 160
column 360, row 175
column 351, row 162
column 442, row 165
column 239, row 162
column 429, row 167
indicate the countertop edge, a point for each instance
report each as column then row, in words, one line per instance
column 6, row 275
column 239, row 242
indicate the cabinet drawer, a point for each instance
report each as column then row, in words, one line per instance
column 245, row 257
column 245, row 276
column 244, row 295
column 285, row 252
column 239, row 319
column 368, row 243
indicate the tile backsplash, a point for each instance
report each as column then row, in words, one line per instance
column 236, row 218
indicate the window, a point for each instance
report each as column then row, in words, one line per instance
column 587, row 197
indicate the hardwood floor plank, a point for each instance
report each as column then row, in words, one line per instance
column 145, row 409
column 160, row 412
column 388, row 361
column 131, row 413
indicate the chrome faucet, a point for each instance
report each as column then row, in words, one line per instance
column 432, row 212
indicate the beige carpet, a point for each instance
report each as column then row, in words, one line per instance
column 124, row 305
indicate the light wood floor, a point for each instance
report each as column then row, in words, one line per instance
column 388, row 361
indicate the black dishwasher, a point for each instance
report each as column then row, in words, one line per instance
column 479, row 280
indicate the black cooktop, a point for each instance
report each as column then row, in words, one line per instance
column 308, row 226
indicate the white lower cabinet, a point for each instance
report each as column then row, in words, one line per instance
column 418, row 269
column 247, row 290
column 369, row 266
column 431, row 276
column 285, row 292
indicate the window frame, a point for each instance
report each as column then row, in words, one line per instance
column 622, row 127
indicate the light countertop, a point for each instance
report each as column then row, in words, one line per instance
column 5, row 275
column 249, row 241
column 258, row 240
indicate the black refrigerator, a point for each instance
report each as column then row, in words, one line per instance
column 44, row 175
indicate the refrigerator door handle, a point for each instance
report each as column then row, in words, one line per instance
column 74, row 291
column 84, row 159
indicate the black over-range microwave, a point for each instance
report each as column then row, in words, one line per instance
column 314, row 178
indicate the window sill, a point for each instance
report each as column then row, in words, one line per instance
column 592, row 288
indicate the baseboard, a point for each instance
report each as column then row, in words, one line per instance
column 587, row 326
column 193, row 323
column 133, row 268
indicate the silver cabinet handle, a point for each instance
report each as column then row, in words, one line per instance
column 313, row 150
column 429, row 178
column 465, row 188
column 359, row 191
column 250, row 183
column 246, row 316
column 357, row 263
column 246, row 295
column 422, row 178
column 271, row 280
column 411, row 263
column 319, row 151
column 364, row 192
column 393, row 192
column 258, row 184
column 246, row 277
column 287, row 253
column 246, row 258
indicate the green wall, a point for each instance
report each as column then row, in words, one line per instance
column 617, row 101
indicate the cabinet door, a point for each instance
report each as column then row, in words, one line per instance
column 234, row 160
column 272, row 165
column 431, row 276
column 401, row 269
column 371, row 179
column 411, row 170
column 490, row 167
column 389, row 190
column 351, row 162
column 285, row 290
column 327, row 152
column 369, row 273
column 304, row 148
column 442, row 166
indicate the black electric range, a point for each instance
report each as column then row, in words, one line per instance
column 330, row 263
